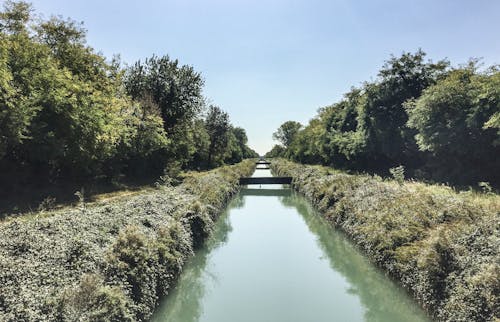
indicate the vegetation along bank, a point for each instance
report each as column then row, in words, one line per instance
column 71, row 116
column 443, row 246
column 112, row 261
column 440, row 122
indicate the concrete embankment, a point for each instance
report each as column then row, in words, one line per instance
column 442, row 246
column 109, row 261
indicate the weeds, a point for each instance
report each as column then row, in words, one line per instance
column 443, row 246
column 398, row 173
column 109, row 261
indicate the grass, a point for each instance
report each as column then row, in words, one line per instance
column 442, row 245
column 23, row 199
column 110, row 260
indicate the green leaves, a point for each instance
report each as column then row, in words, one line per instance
column 66, row 111
column 455, row 120
column 440, row 123
column 175, row 90
column 287, row 132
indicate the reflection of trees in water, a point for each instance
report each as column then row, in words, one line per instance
column 380, row 297
column 380, row 300
column 238, row 202
column 184, row 302
column 266, row 192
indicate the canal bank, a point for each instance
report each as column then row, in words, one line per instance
column 273, row 258
column 109, row 261
column 441, row 245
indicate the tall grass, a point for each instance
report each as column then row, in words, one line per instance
column 443, row 246
column 110, row 261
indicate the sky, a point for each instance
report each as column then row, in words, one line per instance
column 269, row 61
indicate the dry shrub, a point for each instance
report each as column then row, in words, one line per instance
column 110, row 261
column 443, row 246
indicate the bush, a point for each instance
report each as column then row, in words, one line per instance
column 92, row 301
column 109, row 261
column 441, row 245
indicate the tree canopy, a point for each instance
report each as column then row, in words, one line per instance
column 287, row 132
column 67, row 111
column 439, row 122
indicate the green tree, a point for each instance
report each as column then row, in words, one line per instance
column 382, row 117
column 15, row 111
column 277, row 151
column 201, row 140
column 15, row 17
column 218, row 128
column 63, row 108
column 287, row 132
column 67, row 112
column 344, row 141
column 176, row 90
column 452, row 118
column 306, row 145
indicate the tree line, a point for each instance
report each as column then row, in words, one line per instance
column 439, row 122
column 68, row 112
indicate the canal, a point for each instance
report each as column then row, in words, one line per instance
column 273, row 258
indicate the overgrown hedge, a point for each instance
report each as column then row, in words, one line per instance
column 110, row 261
column 443, row 246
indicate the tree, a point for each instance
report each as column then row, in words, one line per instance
column 287, row 132
column 452, row 118
column 440, row 123
column 176, row 90
column 344, row 140
column 218, row 129
column 68, row 113
column 201, row 140
column 277, row 151
column 63, row 108
column 382, row 117
column 15, row 17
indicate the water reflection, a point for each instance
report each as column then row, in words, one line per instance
column 275, row 259
column 184, row 301
column 382, row 298
column 279, row 192
column 236, row 203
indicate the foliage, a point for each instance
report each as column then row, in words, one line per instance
column 109, row 261
column 451, row 118
column 439, row 123
column 276, row 152
column 286, row 132
column 398, row 173
column 238, row 148
column 175, row 90
column 218, row 128
column 441, row 245
column 68, row 113
column 383, row 117
column 93, row 301
column 63, row 110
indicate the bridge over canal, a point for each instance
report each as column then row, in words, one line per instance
column 264, row 180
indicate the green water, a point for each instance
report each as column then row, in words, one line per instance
column 273, row 258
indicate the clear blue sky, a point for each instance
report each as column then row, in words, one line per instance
column 269, row 61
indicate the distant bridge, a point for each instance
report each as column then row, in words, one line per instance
column 264, row 180
column 266, row 192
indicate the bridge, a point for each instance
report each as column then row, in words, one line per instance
column 264, row 180
column 266, row 192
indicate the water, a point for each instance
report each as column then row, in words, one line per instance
column 273, row 258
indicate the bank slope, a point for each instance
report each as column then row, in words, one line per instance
column 110, row 261
column 443, row 246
